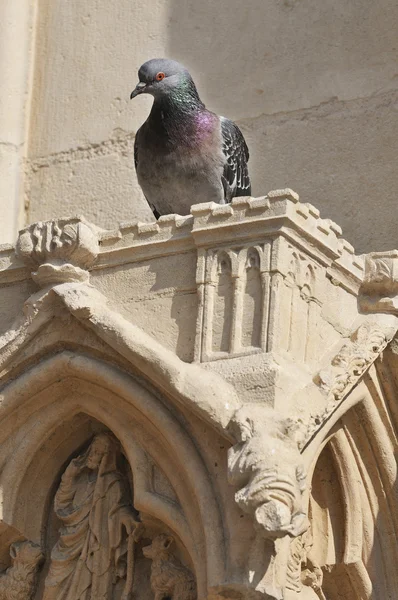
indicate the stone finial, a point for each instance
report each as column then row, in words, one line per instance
column 62, row 249
column 379, row 290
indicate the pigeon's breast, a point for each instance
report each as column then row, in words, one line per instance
column 184, row 168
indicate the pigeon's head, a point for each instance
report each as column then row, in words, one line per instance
column 161, row 77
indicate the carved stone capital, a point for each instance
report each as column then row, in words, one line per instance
column 61, row 250
column 379, row 290
column 266, row 465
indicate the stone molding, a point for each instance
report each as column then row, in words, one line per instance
column 280, row 211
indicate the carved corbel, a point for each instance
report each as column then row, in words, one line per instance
column 58, row 251
column 379, row 290
column 265, row 464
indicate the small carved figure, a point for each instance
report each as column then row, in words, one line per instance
column 265, row 464
column 18, row 582
column 303, row 575
column 169, row 577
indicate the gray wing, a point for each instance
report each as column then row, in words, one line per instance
column 136, row 158
column 235, row 178
column 136, row 142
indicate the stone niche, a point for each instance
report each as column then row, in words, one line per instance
column 201, row 407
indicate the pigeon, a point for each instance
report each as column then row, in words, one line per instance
column 183, row 153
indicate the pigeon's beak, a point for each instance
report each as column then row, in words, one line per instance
column 139, row 88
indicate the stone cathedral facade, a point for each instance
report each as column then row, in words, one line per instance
column 204, row 407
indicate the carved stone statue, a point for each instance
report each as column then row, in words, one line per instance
column 169, row 577
column 266, row 465
column 99, row 525
column 18, row 582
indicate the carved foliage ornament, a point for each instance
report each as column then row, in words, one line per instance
column 302, row 571
column 354, row 358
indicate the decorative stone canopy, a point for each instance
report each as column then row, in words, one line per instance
column 228, row 355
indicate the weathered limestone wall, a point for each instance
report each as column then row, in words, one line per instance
column 312, row 85
column 16, row 49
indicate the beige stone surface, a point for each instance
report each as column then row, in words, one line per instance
column 313, row 86
column 243, row 359
column 98, row 181
column 78, row 51
column 16, row 50
column 209, row 397
column 143, row 291
column 10, row 166
column 345, row 151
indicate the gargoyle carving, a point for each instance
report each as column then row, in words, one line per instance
column 265, row 464
column 169, row 577
column 18, row 582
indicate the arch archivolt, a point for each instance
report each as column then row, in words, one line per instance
column 353, row 497
column 47, row 416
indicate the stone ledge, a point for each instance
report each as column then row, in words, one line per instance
column 246, row 218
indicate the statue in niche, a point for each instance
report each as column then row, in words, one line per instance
column 93, row 557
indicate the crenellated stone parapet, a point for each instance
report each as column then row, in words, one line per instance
column 254, row 259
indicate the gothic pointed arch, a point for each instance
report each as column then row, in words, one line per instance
column 354, row 491
column 68, row 385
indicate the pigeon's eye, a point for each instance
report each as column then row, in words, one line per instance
column 160, row 76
